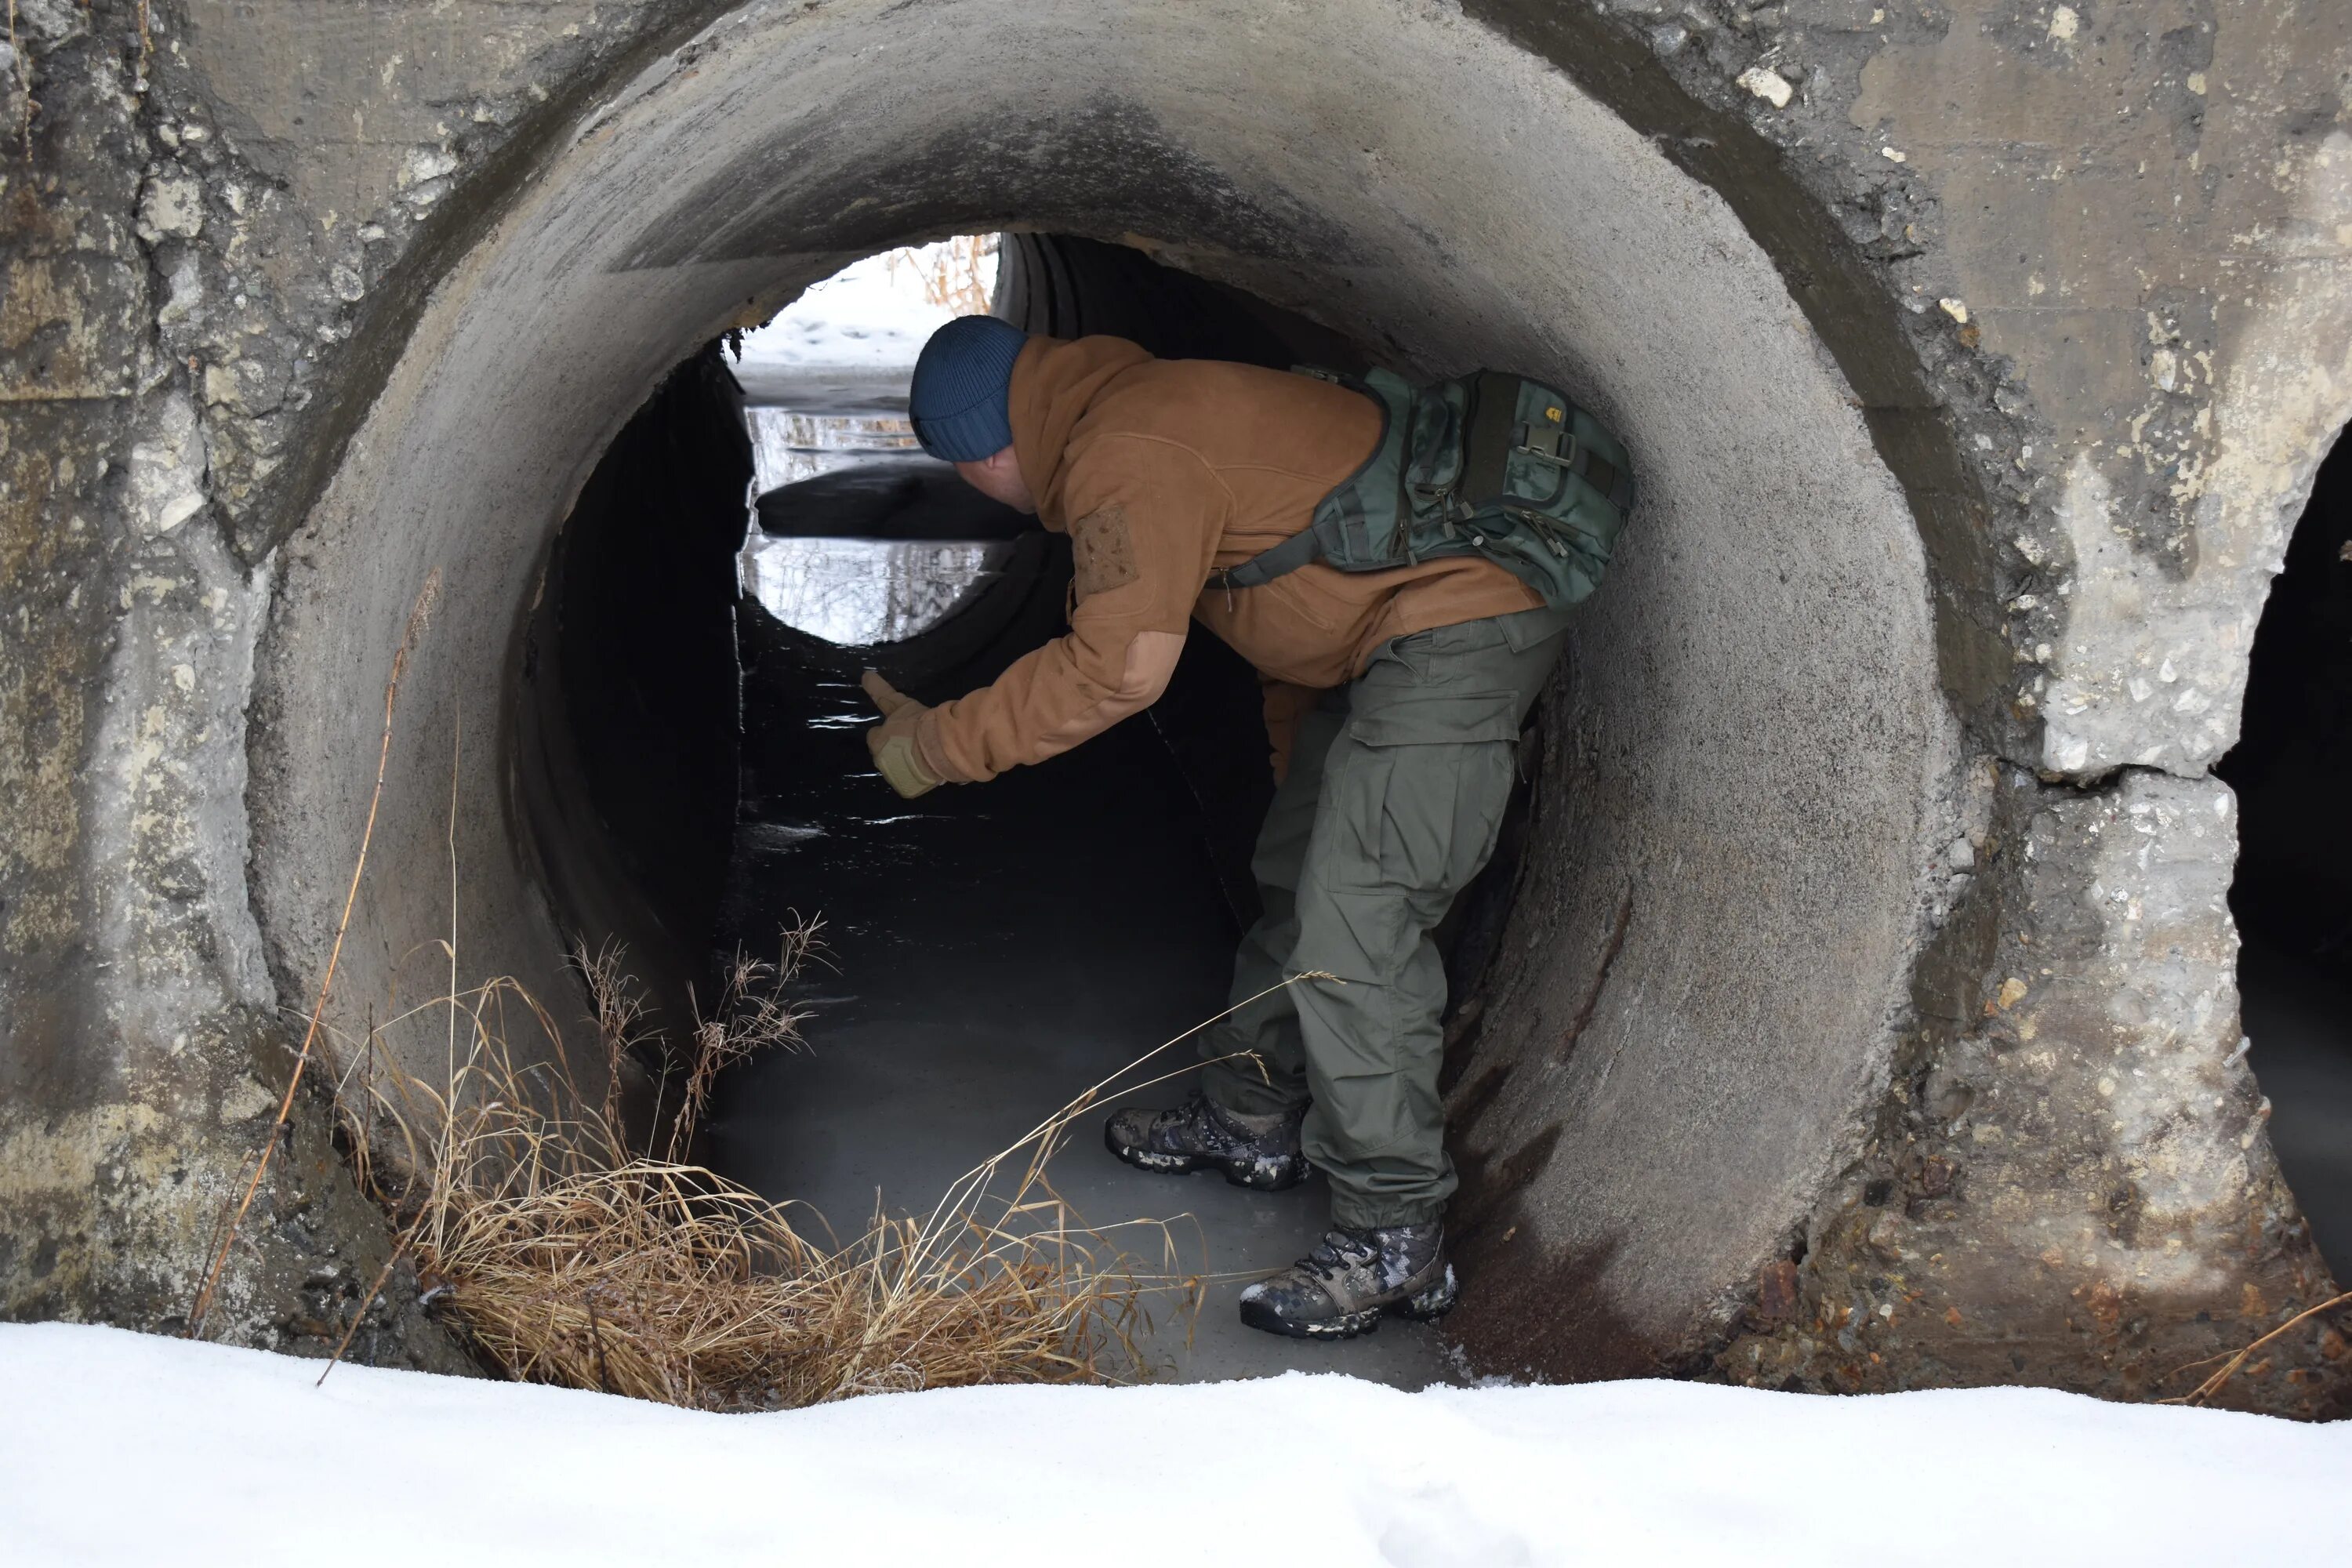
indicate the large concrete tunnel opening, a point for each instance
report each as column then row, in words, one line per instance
column 2292, row 894
column 1684, row 986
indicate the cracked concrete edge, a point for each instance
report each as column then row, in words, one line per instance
column 374, row 270
column 2132, row 580
column 2070, row 1184
column 187, row 344
column 342, row 290
column 2144, row 420
column 139, row 1026
column 2150, row 670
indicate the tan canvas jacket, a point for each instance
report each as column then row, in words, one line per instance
column 1160, row 471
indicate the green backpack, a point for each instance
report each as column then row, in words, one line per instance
column 1486, row 464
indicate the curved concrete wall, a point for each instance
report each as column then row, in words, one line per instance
column 1858, row 1023
column 1755, row 704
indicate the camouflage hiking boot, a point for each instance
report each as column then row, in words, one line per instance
column 1259, row 1152
column 1339, row 1290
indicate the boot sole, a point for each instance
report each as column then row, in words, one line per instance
column 1234, row 1174
column 1425, row 1307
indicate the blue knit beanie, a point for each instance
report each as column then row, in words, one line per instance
column 961, row 397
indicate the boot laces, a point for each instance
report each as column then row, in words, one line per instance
column 1339, row 1251
column 1193, row 1115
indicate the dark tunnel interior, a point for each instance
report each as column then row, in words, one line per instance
column 633, row 642
column 987, row 953
column 2292, row 893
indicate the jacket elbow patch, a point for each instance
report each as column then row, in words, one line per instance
column 1151, row 664
column 1150, row 660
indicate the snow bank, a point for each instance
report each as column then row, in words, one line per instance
column 871, row 315
column 117, row 1447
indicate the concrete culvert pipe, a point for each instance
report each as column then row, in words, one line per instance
column 1746, row 772
column 1854, row 1006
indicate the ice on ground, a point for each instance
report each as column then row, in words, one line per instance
column 789, row 445
column 859, row 591
column 123, row 1449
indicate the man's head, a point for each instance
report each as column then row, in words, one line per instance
column 961, row 405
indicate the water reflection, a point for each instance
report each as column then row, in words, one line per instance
column 856, row 592
column 789, row 444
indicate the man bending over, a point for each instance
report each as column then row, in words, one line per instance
column 1393, row 700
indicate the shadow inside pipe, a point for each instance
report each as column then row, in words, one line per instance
column 2292, row 893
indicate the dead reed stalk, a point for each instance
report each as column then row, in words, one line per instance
column 2220, row 1378
column 950, row 271
column 567, row 1257
column 419, row 615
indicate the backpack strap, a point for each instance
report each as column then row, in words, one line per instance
column 1266, row 565
column 1306, row 544
column 1557, row 447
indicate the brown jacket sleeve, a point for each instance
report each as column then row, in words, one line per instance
column 1145, row 520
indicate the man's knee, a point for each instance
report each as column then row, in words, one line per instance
column 1364, row 936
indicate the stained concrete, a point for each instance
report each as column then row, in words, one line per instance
column 374, row 288
column 1805, row 731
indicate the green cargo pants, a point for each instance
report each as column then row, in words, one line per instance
column 1395, row 795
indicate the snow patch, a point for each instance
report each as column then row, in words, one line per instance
column 872, row 315
column 123, row 1449
column 856, row 592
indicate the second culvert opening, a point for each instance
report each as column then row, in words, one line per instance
column 2292, row 897
column 1752, row 725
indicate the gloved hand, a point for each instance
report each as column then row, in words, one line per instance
column 896, row 756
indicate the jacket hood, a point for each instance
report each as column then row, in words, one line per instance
column 1055, row 381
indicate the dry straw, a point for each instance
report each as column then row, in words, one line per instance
column 2232, row 1362
column 567, row 1257
column 565, row 1253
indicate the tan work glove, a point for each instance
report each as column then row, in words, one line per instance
column 896, row 756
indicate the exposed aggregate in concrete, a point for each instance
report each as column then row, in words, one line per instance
column 2111, row 237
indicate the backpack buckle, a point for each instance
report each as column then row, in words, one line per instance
column 1548, row 443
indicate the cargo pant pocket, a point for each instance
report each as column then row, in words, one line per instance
column 1399, row 833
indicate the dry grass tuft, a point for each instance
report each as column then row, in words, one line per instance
column 568, row 1258
column 952, row 272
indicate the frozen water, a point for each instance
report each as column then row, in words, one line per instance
column 826, row 386
column 789, row 445
column 858, row 592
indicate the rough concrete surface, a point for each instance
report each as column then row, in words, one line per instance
column 2092, row 1128
column 1976, row 357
